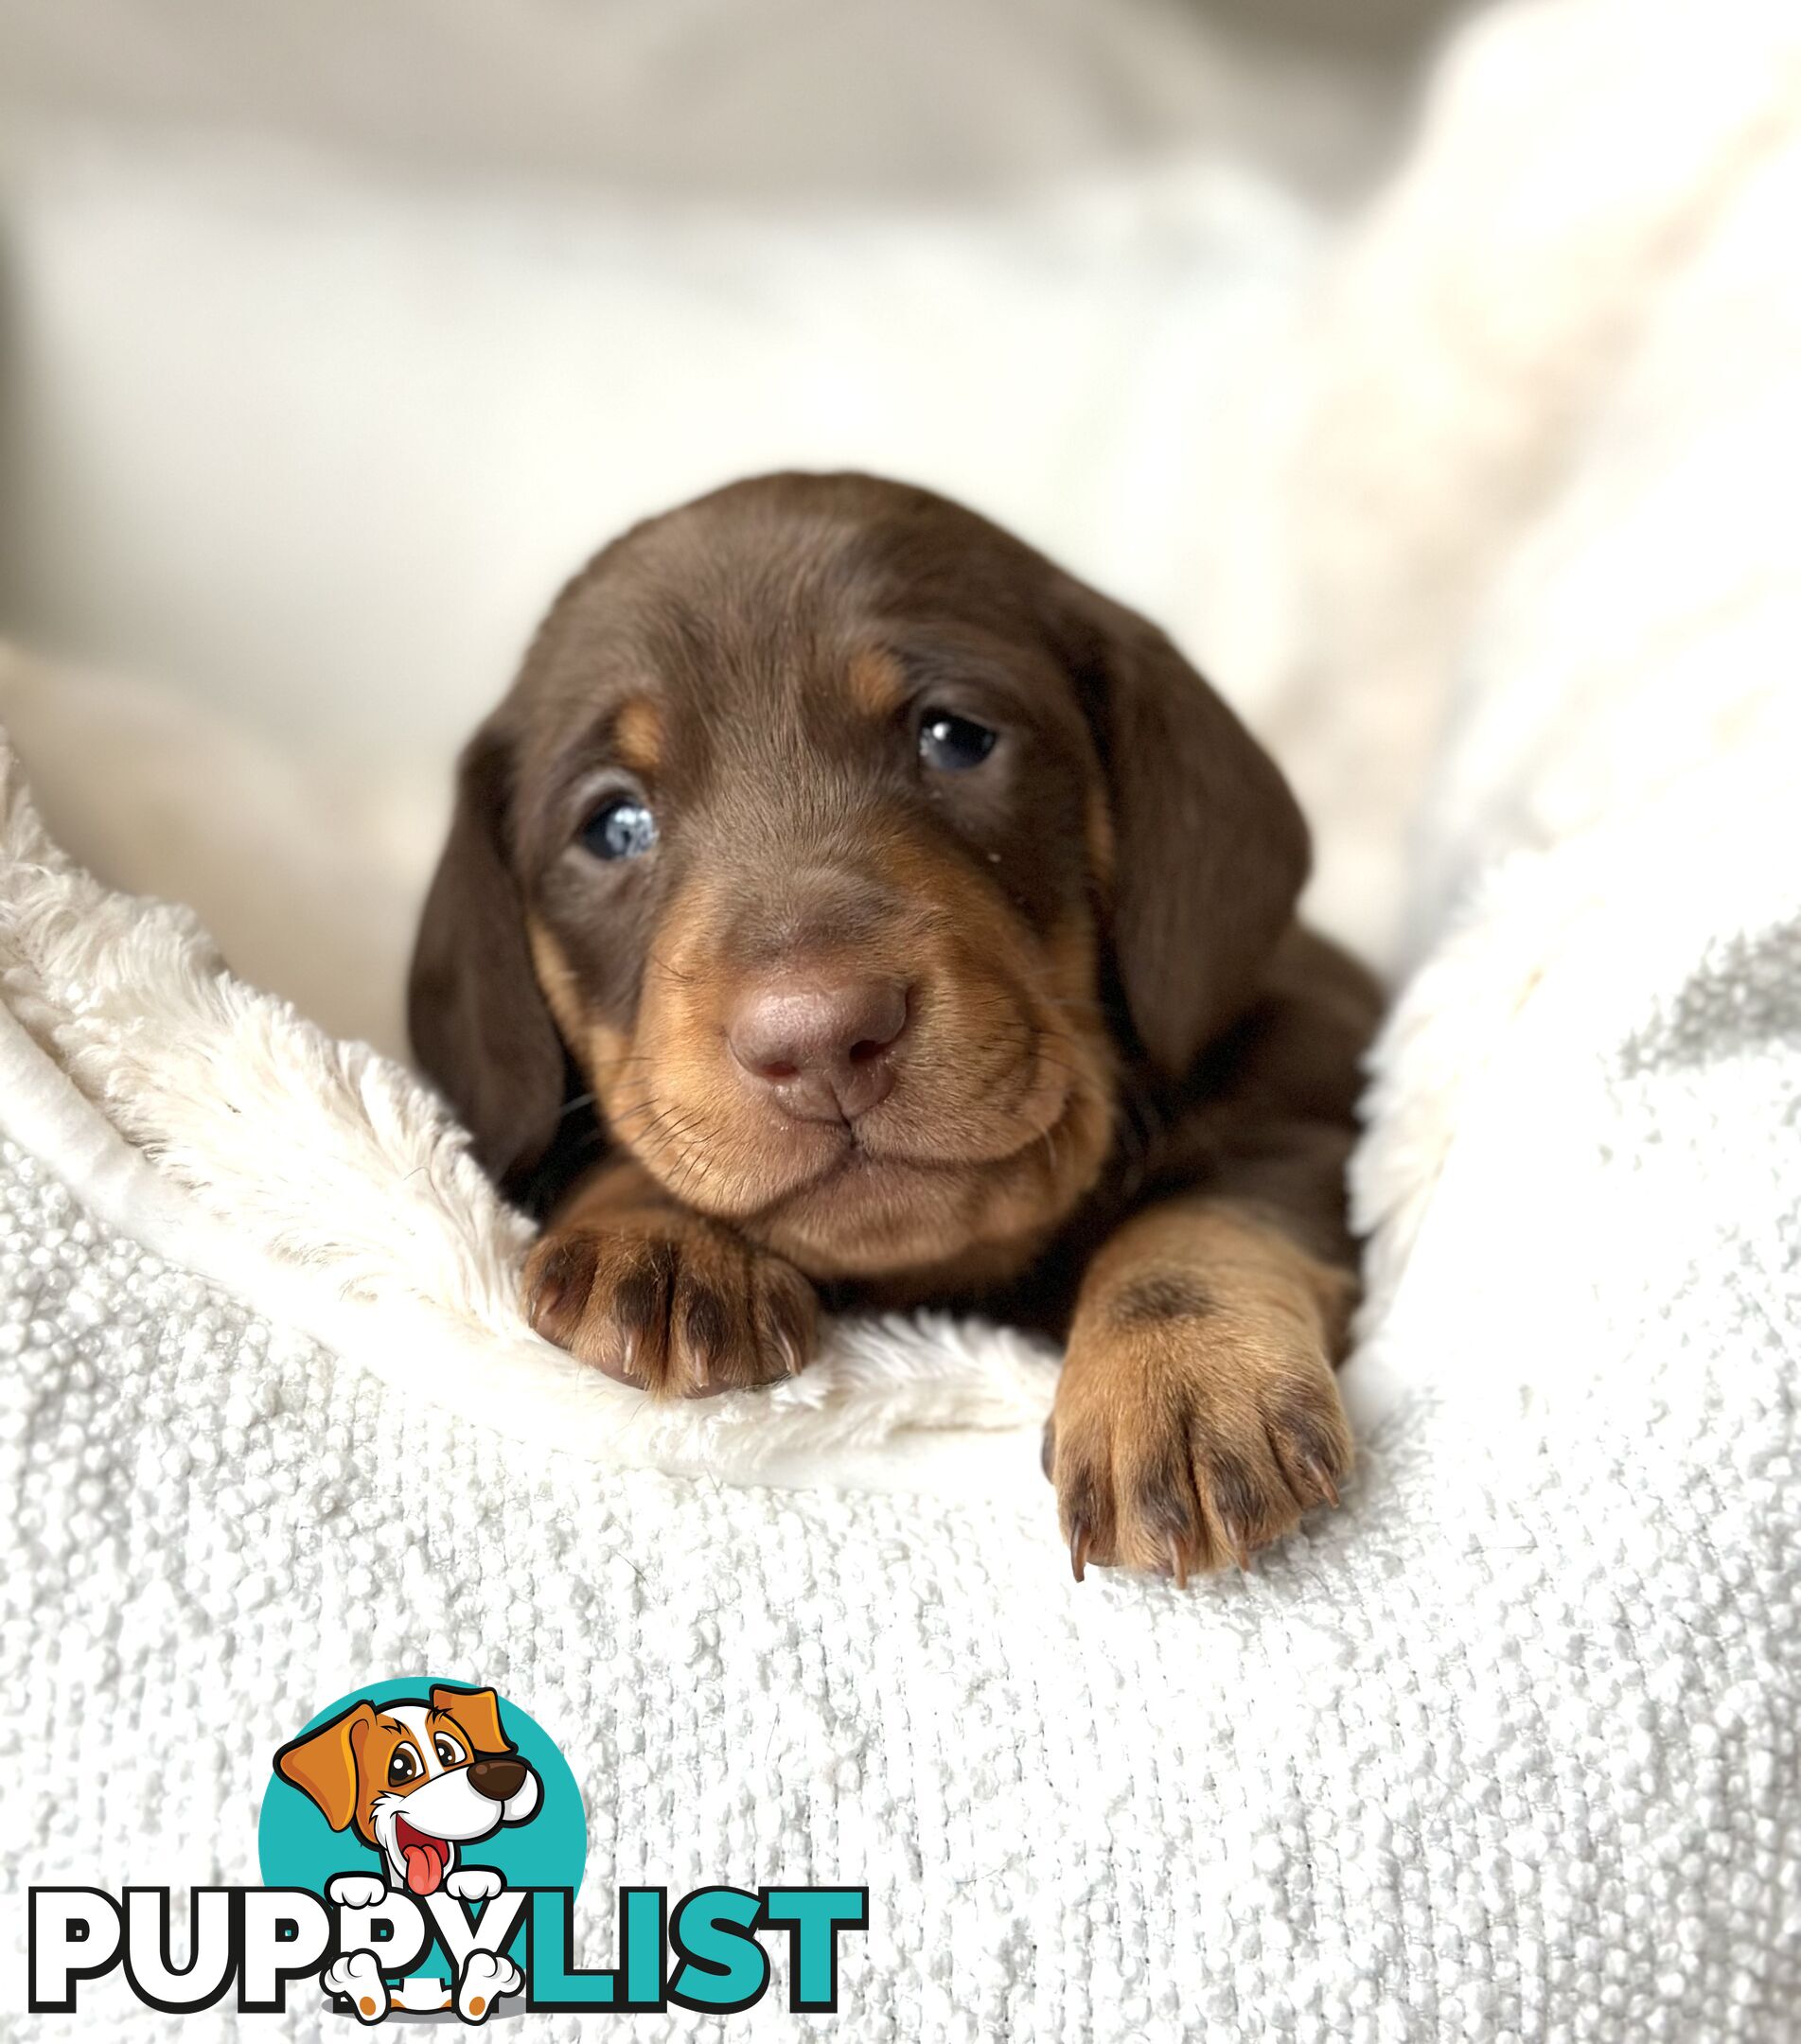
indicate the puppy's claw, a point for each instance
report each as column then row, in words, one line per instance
column 1235, row 1542
column 544, row 1297
column 1322, row 1479
column 791, row 1357
column 1178, row 1563
column 1079, row 1549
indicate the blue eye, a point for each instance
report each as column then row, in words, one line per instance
column 622, row 828
column 953, row 744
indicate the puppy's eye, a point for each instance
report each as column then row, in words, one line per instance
column 449, row 1754
column 621, row 828
column 404, row 1766
column 953, row 744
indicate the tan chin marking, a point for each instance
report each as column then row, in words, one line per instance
column 948, row 1229
column 919, row 1245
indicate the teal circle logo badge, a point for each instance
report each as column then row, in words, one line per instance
column 437, row 1793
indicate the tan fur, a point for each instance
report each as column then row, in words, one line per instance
column 875, row 684
column 325, row 1765
column 1197, row 1416
column 1102, row 846
column 638, row 736
column 1009, row 1042
column 599, row 1049
column 476, row 1716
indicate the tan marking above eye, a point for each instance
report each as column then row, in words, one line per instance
column 637, row 735
column 875, row 683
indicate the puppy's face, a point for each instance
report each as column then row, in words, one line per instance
column 414, row 1779
column 817, row 832
column 806, row 860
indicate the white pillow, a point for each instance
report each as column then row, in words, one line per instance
column 319, row 444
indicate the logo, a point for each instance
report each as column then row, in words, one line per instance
column 421, row 1846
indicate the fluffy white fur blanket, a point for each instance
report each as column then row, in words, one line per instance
column 1507, row 1747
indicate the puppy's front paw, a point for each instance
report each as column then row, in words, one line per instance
column 356, row 1891
column 1184, row 1445
column 473, row 1884
column 675, row 1305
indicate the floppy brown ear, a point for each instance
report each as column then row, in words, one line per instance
column 477, row 1711
column 1210, row 849
column 477, row 1018
column 322, row 1764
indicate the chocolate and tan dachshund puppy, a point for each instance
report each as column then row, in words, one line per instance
column 848, row 904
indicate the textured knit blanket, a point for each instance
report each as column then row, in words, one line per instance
column 1506, row 1748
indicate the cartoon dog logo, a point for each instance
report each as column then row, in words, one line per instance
column 417, row 1779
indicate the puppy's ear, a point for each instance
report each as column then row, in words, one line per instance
column 322, row 1764
column 479, row 1023
column 1210, row 848
column 477, row 1711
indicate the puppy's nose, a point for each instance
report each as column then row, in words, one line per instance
column 822, row 1047
column 499, row 1780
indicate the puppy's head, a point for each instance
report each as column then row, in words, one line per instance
column 414, row 1778
column 847, row 852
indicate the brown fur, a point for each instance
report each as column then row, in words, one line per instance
column 1122, row 1099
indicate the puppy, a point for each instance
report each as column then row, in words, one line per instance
column 416, row 1779
column 846, row 903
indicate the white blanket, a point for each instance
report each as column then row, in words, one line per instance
column 1507, row 1747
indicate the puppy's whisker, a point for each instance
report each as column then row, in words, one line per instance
column 695, row 1153
column 637, row 1121
column 667, row 1130
column 648, row 1100
column 618, row 1067
column 665, row 967
column 677, row 1168
column 650, row 1143
column 632, row 1110
column 675, row 1134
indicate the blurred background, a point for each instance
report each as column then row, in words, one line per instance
column 333, row 337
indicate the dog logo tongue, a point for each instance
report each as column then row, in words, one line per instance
column 425, row 1859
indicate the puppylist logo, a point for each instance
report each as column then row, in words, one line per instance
column 421, row 1845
